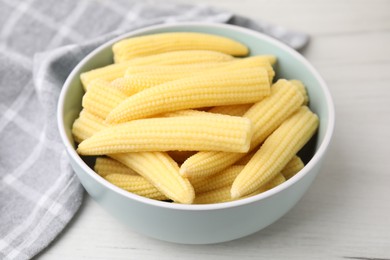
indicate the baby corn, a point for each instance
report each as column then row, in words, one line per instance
column 250, row 62
column 214, row 196
column 114, row 71
column 211, row 132
column 276, row 152
column 265, row 116
column 223, row 194
column 219, row 180
column 162, row 172
column 133, row 84
column 135, row 184
column 213, row 89
column 86, row 125
column 207, row 163
column 173, row 72
column 292, row 167
column 108, row 73
column 166, row 42
column 105, row 166
column 301, row 88
column 101, row 98
column 272, row 59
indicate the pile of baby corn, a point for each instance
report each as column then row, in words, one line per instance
column 188, row 118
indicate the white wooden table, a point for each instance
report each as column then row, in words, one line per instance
column 346, row 213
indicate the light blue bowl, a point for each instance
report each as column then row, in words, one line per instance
column 213, row 223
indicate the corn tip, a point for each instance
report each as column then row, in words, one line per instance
column 183, row 171
column 188, row 199
column 234, row 193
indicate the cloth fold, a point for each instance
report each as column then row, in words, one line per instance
column 39, row 193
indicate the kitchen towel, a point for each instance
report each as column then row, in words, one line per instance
column 40, row 43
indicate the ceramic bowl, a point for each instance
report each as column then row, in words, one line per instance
column 212, row 223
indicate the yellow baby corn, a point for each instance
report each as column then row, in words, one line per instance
column 162, row 172
column 206, row 163
column 193, row 133
column 265, row 116
column 137, row 82
column 166, row 42
column 219, row 180
column 173, row 72
column 276, row 152
column 232, row 110
column 105, row 166
column 214, row 196
column 277, row 180
column 272, row 59
column 302, row 88
column 135, row 184
column 214, row 89
column 101, row 98
column 114, row 71
column 259, row 61
column 292, row 167
column 216, row 188
column 86, row 125
column 223, row 194
column 131, row 85
column 108, row 73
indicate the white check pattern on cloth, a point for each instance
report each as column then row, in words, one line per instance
column 39, row 192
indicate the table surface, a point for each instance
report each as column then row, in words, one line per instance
column 346, row 212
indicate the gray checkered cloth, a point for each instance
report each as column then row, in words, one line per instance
column 39, row 193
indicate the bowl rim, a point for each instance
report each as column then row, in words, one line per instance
column 198, row 207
